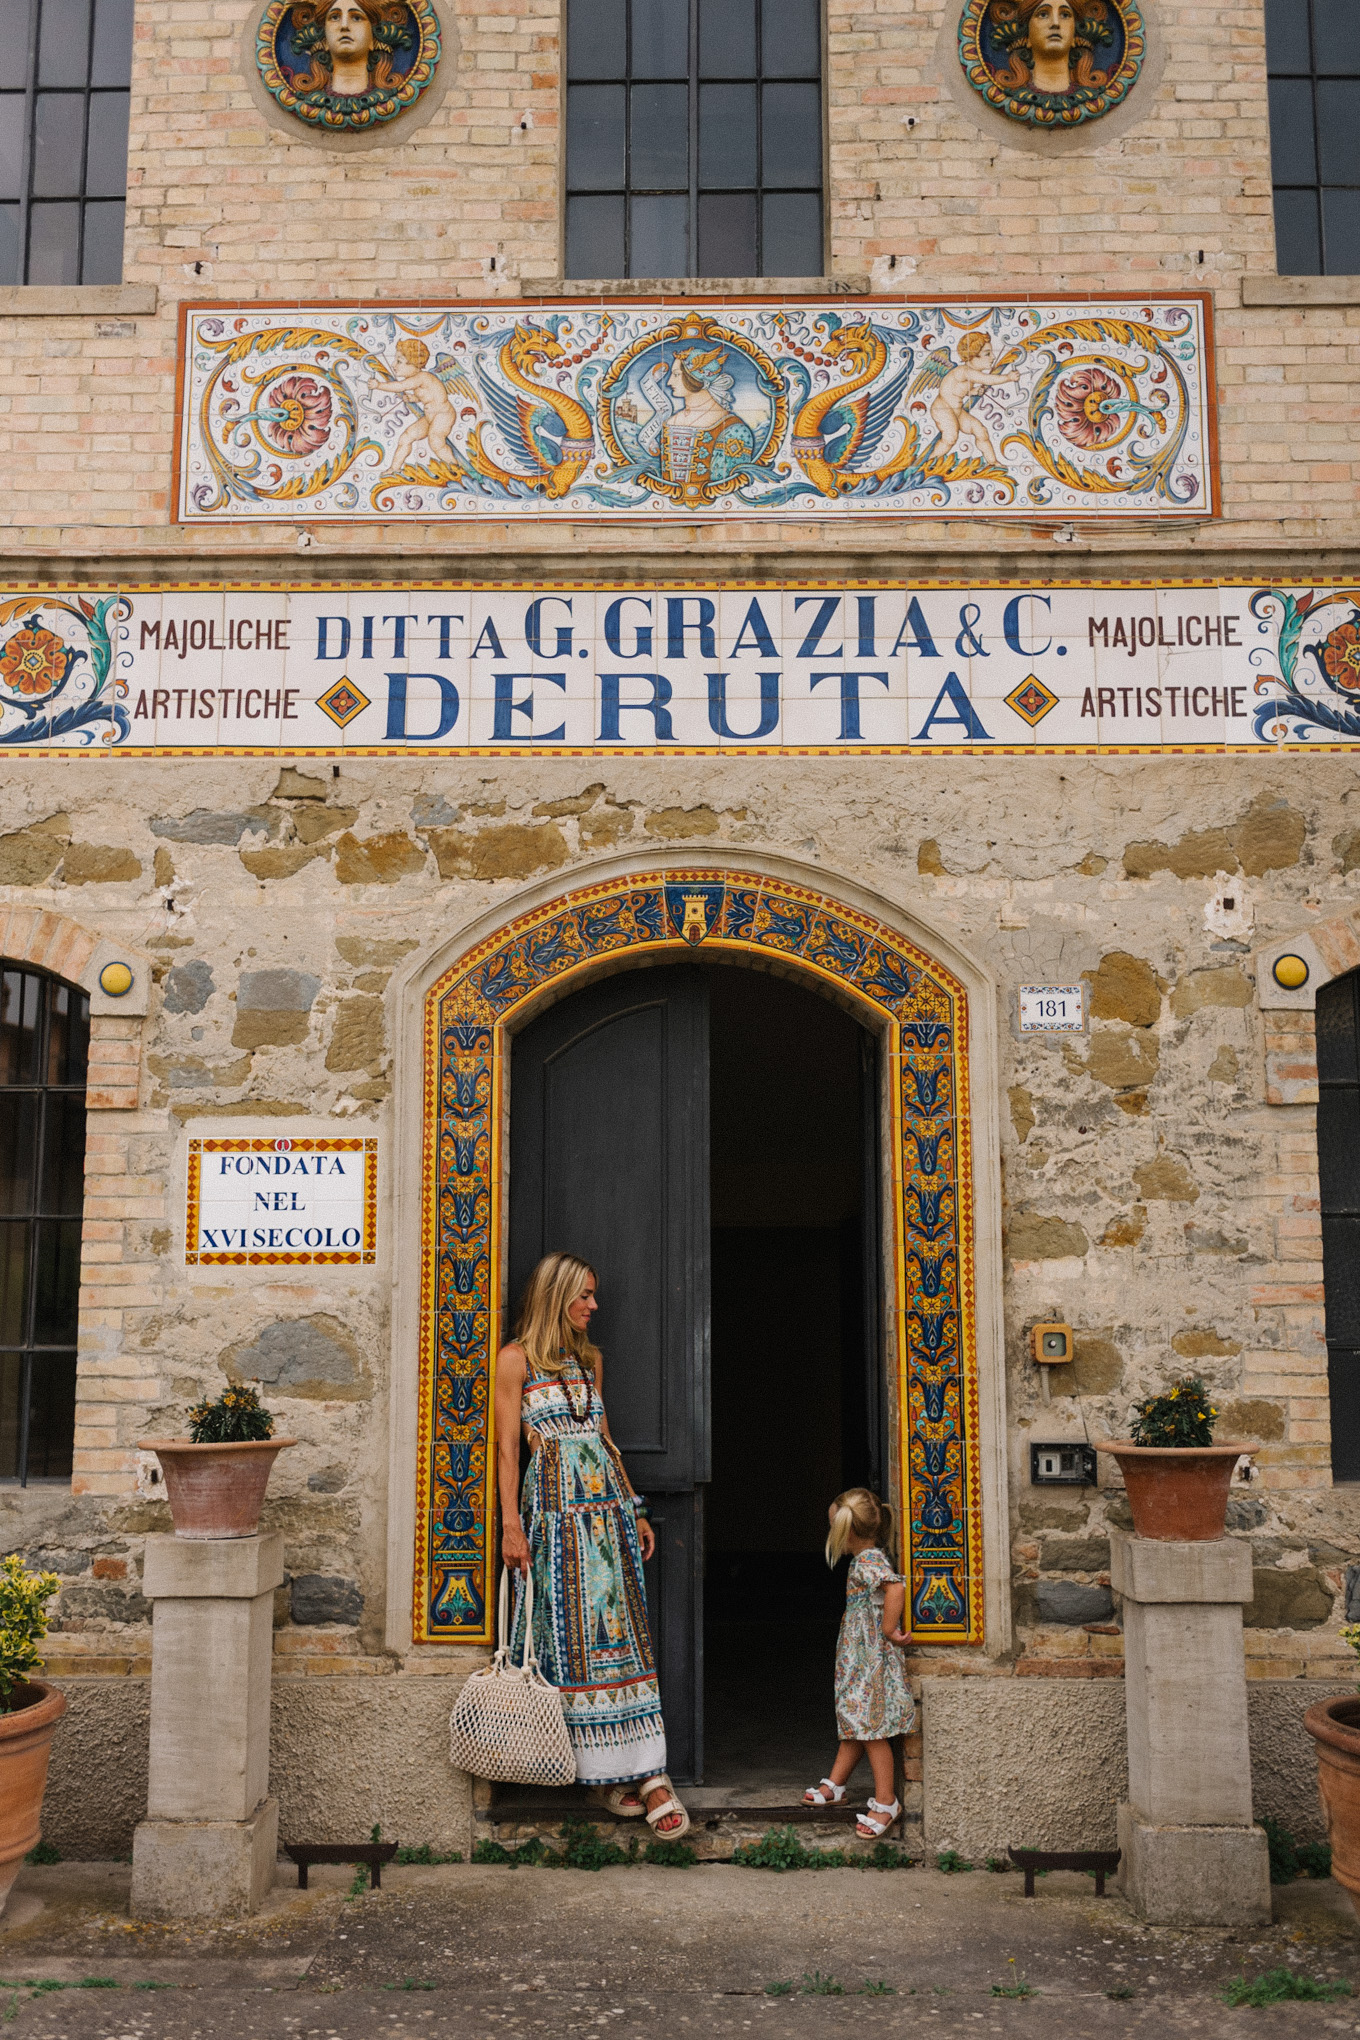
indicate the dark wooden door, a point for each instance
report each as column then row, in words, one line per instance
column 1338, row 1139
column 609, row 1160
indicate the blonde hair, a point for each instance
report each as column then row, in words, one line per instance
column 550, row 1340
column 973, row 344
column 859, row 1513
column 415, row 352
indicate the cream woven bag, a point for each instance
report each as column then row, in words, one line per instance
column 507, row 1722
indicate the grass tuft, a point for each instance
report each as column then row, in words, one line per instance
column 44, row 1852
column 784, row 1988
column 422, row 1853
column 1285, row 1986
column 817, row 1985
column 951, row 1862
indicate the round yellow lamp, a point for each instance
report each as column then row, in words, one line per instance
column 1290, row 973
column 115, row 980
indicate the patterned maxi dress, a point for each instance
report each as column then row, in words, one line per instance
column 873, row 1699
column 590, row 1613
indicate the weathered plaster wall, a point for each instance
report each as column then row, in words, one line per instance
column 1152, row 1196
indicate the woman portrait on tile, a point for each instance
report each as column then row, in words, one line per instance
column 1050, row 62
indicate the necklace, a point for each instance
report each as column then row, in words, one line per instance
column 581, row 1416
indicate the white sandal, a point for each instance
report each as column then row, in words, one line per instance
column 824, row 1794
column 669, row 1805
column 613, row 1797
column 877, row 1819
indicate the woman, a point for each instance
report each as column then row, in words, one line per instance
column 351, row 44
column 585, row 1538
column 1052, row 43
column 692, row 429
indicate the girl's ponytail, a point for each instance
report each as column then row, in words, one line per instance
column 859, row 1512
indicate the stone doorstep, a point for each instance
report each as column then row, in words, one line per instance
column 714, row 1833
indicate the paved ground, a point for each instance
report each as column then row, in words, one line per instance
column 477, row 1953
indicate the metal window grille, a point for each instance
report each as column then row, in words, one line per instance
column 1313, row 64
column 694, row 138
column 65, row 68
column 44, row 1051
column 1338, row 1137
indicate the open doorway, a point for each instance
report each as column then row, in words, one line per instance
column 797, row 1405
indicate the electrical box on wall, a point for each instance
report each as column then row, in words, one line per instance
column 1051, row 1345
column 1062, row 1465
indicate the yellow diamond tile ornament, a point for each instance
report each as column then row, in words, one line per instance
column 342, row 702
column 1031, row 699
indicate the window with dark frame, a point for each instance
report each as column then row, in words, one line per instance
column 1338, row 1138
column 694, row 138
column 65, row 69
column 44, row 1051
column 1313, row 63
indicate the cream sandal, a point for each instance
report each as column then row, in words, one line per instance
column 614, row 1798
column 876, row 1819
column 668, row 1806
column 824, row 1794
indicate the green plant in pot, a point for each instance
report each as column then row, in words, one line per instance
column 29, row 1712
column 1335, row 1728
column 216, row 1477
column 1176, row 1475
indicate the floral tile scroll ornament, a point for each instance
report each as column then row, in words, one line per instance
column 57, row 676
column 1321, row 697
column 1052, row 64
column 347, row 64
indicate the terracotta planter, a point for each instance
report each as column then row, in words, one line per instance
column 216, row 1490
column 25, row 1744
column 1335, row 1727
column 1177, row 1492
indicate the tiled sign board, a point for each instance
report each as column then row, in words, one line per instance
column 591, row 667
column 282, row 1200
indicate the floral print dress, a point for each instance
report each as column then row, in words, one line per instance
column 873, row 1699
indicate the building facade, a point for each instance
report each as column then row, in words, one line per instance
column 789, row 530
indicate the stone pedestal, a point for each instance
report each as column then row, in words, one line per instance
column 1191, row 1855
column 210, row 1838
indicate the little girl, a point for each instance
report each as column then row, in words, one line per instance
column 873, row 1699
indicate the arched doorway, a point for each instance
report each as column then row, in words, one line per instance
column 918, row 1008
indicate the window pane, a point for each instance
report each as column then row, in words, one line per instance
column 1287, row 35
column 14, row 29
column 727, row 234
column 1292, row 160
column 54, row 244
column 1341, row 1263
column 1341, row 232
column 63, row 1154
column 14, row 1241
column 11, row 145
column 727, row 144
column 18, row 1152
column 791, row 38
column 727, row 38
column 1337, row 1032
column 1298, row 243
column 51, row 1415
column 57, row 1282
column 1338, row 119
column 1343, row 1388
column 20, row 1013
column 595, row 237
column 103, row 257
column 595, row 158
column 111, row 63
column 58, row 144
column 68, row 1035
column 660, row 143
column 64, row 42
column 791, row 135
column 660, row 244
column 11, row 1381
column 660, row 39
column 791, row 243
column 596, row 41
column 9, row 244
column 106, row 161
column 1334, row 35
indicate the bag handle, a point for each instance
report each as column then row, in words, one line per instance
column 503, row 1624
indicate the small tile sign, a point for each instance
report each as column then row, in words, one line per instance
column 288, row 1200
column 1052, row 1009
